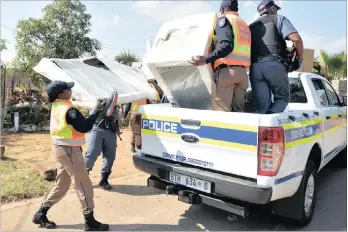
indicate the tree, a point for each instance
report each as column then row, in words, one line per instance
column 60, row 33
column 3, row 45
column 3, row 73
column 127, row 58
column 334, row 65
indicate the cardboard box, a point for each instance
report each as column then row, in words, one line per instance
column 308, row 57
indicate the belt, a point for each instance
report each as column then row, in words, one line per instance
column 103, row 124
column 228, row 66
column 267, row 58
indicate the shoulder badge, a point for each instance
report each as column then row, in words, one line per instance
column 72, row 113
column 222, row 22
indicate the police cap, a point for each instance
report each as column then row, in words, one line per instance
column 228, row 3
column 268, row 3
column 56, row 87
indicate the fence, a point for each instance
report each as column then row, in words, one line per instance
column 11, row 82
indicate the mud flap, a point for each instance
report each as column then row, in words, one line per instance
column 291, row 207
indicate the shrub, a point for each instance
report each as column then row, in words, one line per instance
column 39, row 115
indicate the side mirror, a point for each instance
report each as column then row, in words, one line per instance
column 344, row 100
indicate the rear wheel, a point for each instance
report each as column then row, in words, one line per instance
column 300, row 207
column 309, row 193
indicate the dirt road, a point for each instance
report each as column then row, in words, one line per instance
column 133, row 206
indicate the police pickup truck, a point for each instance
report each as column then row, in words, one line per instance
column 233, row 161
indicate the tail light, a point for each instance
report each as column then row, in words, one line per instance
column 138, row 131
column 270, row 150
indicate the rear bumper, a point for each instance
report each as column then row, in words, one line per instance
column 222, row 186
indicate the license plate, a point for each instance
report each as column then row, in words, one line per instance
column 190, row 182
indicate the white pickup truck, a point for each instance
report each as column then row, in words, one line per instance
column 233, row 160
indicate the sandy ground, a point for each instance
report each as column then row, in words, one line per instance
column 133, row 206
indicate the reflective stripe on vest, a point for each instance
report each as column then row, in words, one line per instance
column 242, row 42
column 61, row 132
column 136, row 105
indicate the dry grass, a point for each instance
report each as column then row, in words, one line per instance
column 19, row 181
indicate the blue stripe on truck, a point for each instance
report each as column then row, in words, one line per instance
column 288, row 177
column 205, row 132
column 227, row 135
column 302, row 132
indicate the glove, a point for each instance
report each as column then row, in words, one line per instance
column 99, row 106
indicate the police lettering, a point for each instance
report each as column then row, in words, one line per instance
column 169, row 127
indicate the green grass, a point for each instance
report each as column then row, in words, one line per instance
column 19, row 182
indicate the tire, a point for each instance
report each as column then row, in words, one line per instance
column 309, row 181
column 294, row 208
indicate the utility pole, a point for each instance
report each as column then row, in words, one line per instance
column 3, row 84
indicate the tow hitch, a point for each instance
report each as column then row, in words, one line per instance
column 193, row 197
column 171, row 190
column 186, row 196
column 189, row 197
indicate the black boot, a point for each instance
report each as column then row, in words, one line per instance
column 40, row 218
column 104, row 181
column 133, row 147
column 93, row 225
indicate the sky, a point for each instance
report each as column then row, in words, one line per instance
column 126, row 25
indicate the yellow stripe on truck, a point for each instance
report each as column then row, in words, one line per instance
column 294, row 125
column 206, row 123
column 241, row 137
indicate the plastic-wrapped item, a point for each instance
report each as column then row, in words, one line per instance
column 97, row 78
column 184, row 85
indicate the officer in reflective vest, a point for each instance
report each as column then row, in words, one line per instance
column 268, row 73
column 67, row 130
column 133, row 109
column 230, row 58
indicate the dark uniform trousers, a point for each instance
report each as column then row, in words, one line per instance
column 228, row 89
column 71, row 169
column 266, row 78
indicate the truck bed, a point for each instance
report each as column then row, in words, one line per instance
column 221, row 141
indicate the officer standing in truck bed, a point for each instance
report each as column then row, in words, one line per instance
column 268, row 72
column 230, row 58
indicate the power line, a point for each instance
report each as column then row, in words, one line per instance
column 7, row 27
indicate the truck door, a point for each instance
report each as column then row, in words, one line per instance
column 339, row 122
column 331, row 115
